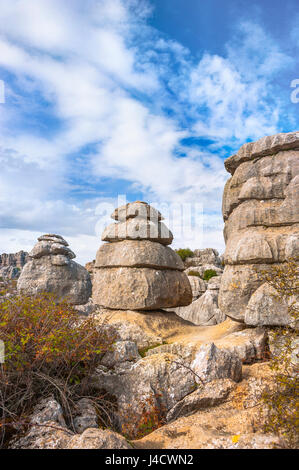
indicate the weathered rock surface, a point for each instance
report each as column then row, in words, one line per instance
column 86, row 415
column 138, row 229
column 137, row 271
column 140, row 288
column 138, row 254
column 233, row 424
column 11, row 264
column 206, row 396
column 260, row 210
column 203, row 257
column 203, row 311
column 9, row 272
column 265, row 307
column 48, row 430
column 98, row 439
column 211, row 363
column 198, row 287
column 17, row 260
column 136, row 209
column 51, row 269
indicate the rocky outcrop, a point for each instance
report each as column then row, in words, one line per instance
column 90, row 267
column 51, row 269
column 206, row 256
column 48, row 430
column 136, row 270
column 17, row 260
column 260, row 210
column 11, row 264
column 232, row 419
column 204, row 308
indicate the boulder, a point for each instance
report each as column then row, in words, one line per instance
column 136, row 209
column 198, row 287
column 52, row 269
column 203, row 311
column 98, row 439
column 265, row 307
column 212, row 363
column 138, row 254
column 206, row 396
column 86, row 415
column 140, row 288
column 205, row 256
column 138, row 229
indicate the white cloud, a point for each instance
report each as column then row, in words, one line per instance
column 105, row 77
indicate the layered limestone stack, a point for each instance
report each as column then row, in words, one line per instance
column 51, row 269
column 136, row 270
column 261, row 214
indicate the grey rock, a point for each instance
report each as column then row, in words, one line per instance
column 138, row 209
column 211, row 394
column 98, row 439
column 204, row 311
column 57, row 274
column 143, row 253
column 265, row 307
column 121, row 351
column 138, row 229
column 86, row 415
column 212, row 363
column 140, row 288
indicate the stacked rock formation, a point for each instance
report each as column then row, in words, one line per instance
column 51, row 269
column 136, row 270
column 261, row 214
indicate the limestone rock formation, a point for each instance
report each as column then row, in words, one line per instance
column 51, row 269
column 14, row 259
column 261, row 214
column 203, row 257
column 136, row 270
column 11, row 264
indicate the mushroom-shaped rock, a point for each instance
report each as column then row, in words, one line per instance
column 51, row 269
column 136, row 270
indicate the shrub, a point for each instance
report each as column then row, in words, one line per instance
column 281, row 401
column 193, row 273
column 49, row 350
column 208, row 274
column 185, row 253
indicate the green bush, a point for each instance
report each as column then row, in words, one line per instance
column 208, row 274
column 49, row 349
column 193, row 273
column 185, row 253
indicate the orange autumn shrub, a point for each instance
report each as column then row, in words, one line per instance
column 49, row 349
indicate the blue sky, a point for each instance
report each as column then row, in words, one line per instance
column 142, row 98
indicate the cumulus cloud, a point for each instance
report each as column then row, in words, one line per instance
column 90, row 85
